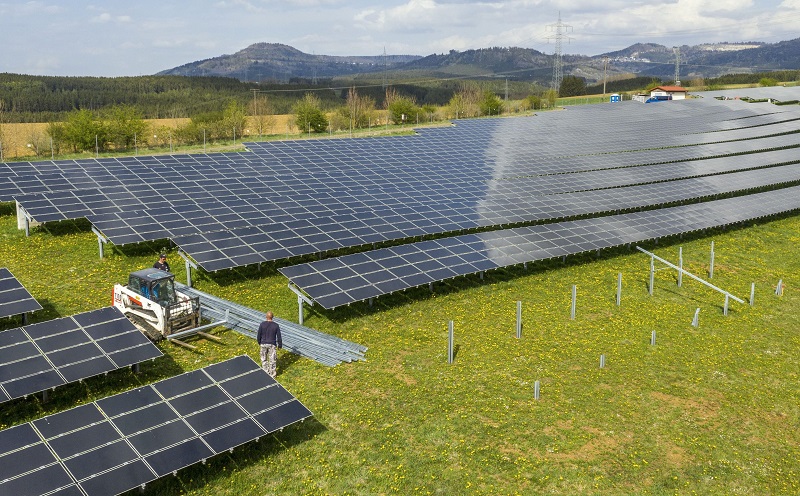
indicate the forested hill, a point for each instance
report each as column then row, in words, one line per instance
column 278, row 62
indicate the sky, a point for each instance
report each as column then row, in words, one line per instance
column 132, row 38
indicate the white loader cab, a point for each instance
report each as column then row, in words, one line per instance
column 152, row 303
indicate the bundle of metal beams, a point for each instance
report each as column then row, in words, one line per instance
column 324, row 348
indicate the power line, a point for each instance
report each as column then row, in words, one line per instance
column 487, row 75
column 557, row 61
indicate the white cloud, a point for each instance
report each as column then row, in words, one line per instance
column 106, row 17
column 168, row 43
column 174, row 33
column 102, row 18
column 26, row 9
column 413, row 15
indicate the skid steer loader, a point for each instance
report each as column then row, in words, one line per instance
column 151, row 302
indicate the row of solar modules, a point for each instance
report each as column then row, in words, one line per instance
column 14, row 298
column 56, row 206
column 52, row 200
column 430, row 149
column 103, row 207
column 350, row 278
column 780, row 93
column 42, row 356
column 187, row 168
column 124, row 441
column 127, row 224
column 124, row 226
column 694, row 119
column 255, row 244
column 630, row 126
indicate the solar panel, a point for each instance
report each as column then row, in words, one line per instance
column 44, row 355
column 14, row 298
column 350, row 278
column 228, row 249
column 125, row 441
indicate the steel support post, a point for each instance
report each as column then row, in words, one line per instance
column 752, row 293
column 652, row 274
column 450, row 342
column 680, row 266
column 619, row 289
column 188, row 273
column 519, row 319
column 711, row 264
column 300, row 309
column 189, row 266
column 574, row 297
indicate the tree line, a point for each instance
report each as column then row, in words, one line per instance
column 51, row 98
column 122, row 127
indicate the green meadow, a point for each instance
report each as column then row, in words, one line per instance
column 712, row 409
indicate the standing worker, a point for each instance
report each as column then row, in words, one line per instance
column 162, row 263
column 269, row 339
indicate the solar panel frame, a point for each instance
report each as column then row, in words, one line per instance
column 41, row 356
column 14, row 298
column 328, row 282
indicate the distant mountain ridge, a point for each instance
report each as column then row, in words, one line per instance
column 271, row 62
column 275, row 61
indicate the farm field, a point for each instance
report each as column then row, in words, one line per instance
column 17, row 136
column 706, row 410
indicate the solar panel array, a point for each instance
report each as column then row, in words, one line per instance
column 191, row 176
column 48, row 354
column 125, row 441
column 350, row 278
column 231, row 248
column 284, row 199
column 780, row 93
column 14, row 298
column 263, row 198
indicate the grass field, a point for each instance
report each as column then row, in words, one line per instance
column 17, row 136
column 707, row 410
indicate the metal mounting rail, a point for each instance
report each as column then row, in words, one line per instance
column 318, row 346
column 680, row 270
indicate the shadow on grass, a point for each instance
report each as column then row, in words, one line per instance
column 286, row 360
column 64, row 227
